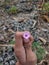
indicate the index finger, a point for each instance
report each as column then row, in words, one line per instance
column 18, row 39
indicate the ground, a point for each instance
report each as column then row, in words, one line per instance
column 27, row 19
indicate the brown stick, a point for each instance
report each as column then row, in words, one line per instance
column 6, row 45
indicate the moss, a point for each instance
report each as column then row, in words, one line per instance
column 46, row 7
column 40, row 52
column 12, row 10
column 12, row 42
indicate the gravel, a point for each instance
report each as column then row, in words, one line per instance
column 8, row 58
column 27, row 19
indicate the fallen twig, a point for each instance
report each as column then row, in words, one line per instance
column 11, row 30
column 34, row 23
column 46, row 17
column 6, row 45
column 43, row 61
column 43, row 40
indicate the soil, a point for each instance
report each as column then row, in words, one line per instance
column 28, row 19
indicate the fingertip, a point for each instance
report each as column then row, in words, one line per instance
column 18, row 34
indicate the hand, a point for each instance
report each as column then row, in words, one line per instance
column 23, row 50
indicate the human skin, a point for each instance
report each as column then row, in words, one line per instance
column 23, row 50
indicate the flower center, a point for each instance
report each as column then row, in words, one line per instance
column 26, row 35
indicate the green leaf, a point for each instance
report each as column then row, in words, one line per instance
column 40, row 52
column 12, row 10
column 46, row 7
column 12, row 42
column 35, row 45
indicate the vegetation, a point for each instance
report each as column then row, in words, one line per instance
column 40, row 52
column 12, row 42
column 12, row 10
column 46, row 7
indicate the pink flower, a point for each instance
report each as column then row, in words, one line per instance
column 26, row 35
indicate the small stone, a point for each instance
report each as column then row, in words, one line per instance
column 9, row 49
column 22, row 1
column 4, row 28
column 1, row 37
column 10, row 52
column 45, row 30
column 25, row 6
column 7, row 7
column 13, row 58
column 6, row 63
column 12, row 62
column 1, row 59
